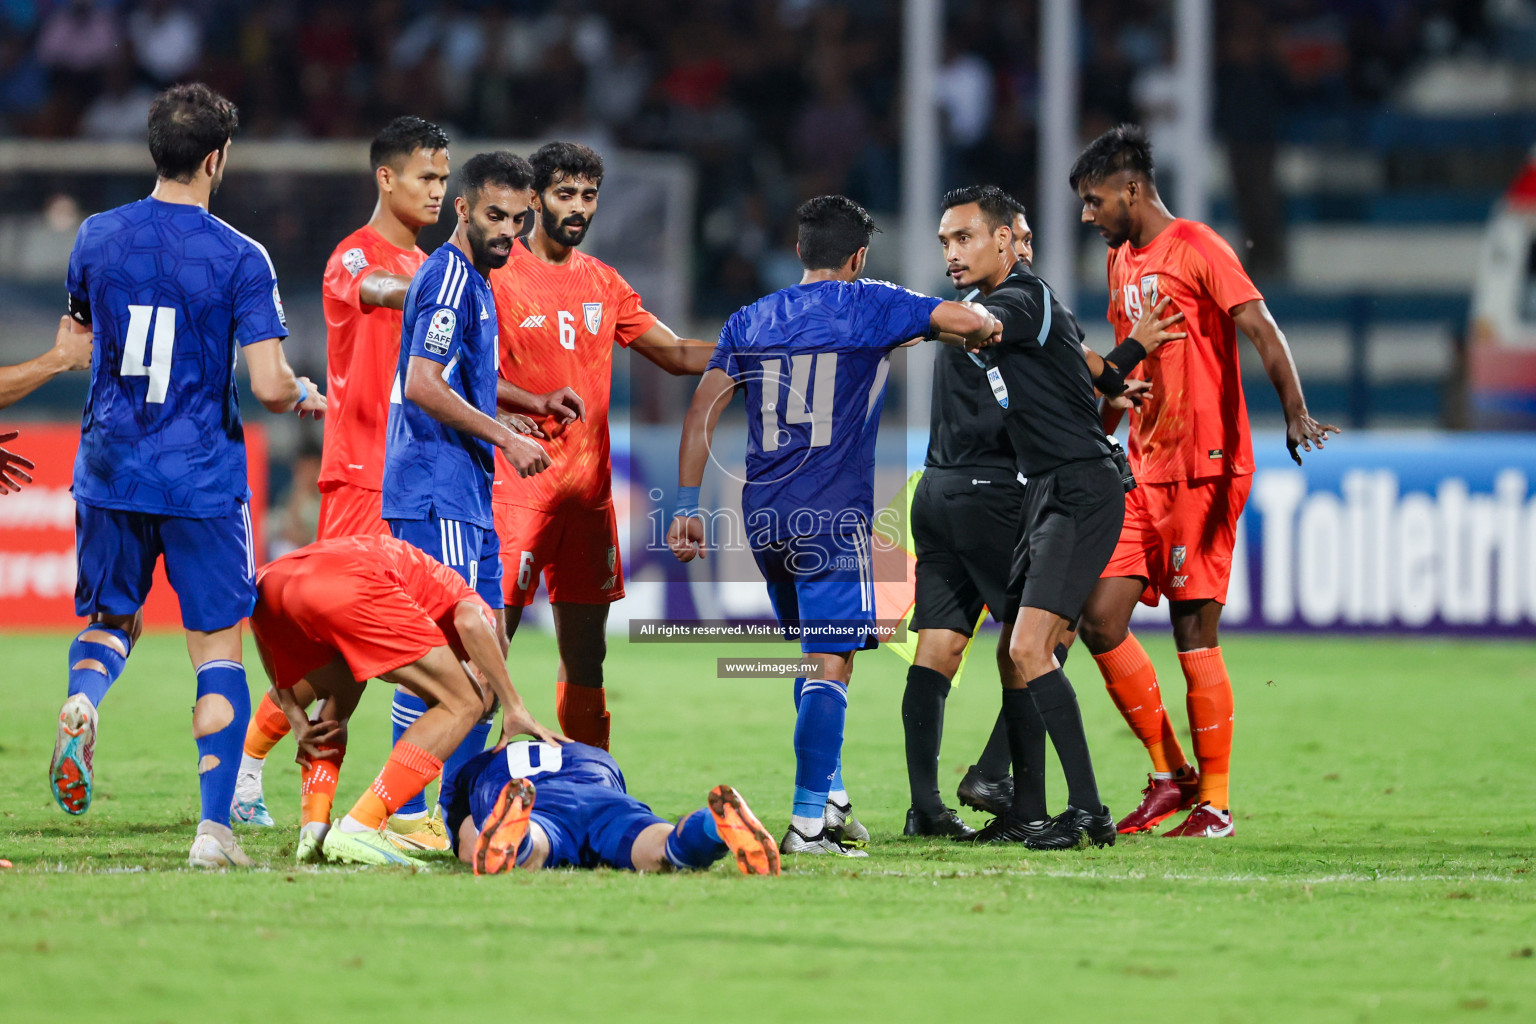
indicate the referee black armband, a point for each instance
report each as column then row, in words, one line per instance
column 80, row 311
column 1117, row 364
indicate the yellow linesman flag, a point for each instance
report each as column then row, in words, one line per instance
column 895, row 565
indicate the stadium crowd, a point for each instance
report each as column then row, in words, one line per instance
column 774, row 100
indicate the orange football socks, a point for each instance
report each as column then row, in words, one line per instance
column 1132, row 684
column 318, row 789
column 1210, row 720
column 583, row 713
column 405, row 774
column 268, row 725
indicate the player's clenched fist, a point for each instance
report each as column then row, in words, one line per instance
column 686, row 538
column 525, row 456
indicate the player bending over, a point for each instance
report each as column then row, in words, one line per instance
column 582, row 816
column 337, row 613
column 1193, row 457
column 363, row 292
column 173, row 293
column 812, row 359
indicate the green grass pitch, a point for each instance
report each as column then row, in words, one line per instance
column 1381, row 869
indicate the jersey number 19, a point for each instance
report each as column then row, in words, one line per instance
column 803, row 402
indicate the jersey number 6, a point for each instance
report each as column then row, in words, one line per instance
column 159, row 369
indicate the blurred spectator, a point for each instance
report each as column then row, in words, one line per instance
column 293, row 523
column 167, row 38
column 77, row 43
column 121, row 111
column 1250, row 92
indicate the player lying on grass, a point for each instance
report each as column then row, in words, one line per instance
column 339, row 612
column 581, row 816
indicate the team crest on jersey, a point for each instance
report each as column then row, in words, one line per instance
column 277, row 301
column 1177, row 557
column 440, row 332
column 1149, row 289
column 354, row 260
column 593, row 311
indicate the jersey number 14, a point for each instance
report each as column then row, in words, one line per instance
column 803, row 401
column 158, row 369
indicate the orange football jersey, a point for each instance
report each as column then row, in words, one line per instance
column 558, row 326
column 1195, row 425
column 362, row 346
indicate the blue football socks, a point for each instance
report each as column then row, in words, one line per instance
column 823, row 708
column 695, row 843
column 91, row 681
column 218, row 751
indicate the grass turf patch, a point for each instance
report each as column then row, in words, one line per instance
column 1381, row 868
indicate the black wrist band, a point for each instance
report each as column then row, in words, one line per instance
column 1126, row 355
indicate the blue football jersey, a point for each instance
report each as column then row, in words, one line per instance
column 450, row 318
column 813, row 361
column 172, row 292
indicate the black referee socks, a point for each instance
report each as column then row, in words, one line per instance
column 922, row 718
column 1057, row 703
column 1026, row 743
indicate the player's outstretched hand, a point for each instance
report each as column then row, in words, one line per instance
column 518, row 722
column 564, row 405
column 72, row 343
column 1152, row 328
column 519, row 424
column 313, row 405
column 1136, row 392
column 525, row 456
column 1302, row 431
column 686, row 538
column 13, row 468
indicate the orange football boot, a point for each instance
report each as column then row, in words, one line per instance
column 755, row 850
column 496, row 847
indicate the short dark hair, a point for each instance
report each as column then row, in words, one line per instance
column 502, row 169
column 404, row 136
column 561, row 160
column 186, row 123
column 997, row 206
column 1125, row 147
column 832, row 228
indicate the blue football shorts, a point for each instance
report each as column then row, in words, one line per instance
column 471, row 551
column 210, row 563
column 822, row 589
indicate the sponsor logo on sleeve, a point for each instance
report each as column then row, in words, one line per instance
column 593, row 312
column 999, row 387
column 354, row 260
column 439, row 332
column 277, row 302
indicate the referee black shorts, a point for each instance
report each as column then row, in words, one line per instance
column 964, row 523
column 1071, row 524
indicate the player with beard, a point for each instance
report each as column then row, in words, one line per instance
column 363, row 292
column 561, row 312
column 1192, row 453
column 439, row 457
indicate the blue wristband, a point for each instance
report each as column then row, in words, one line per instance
column 303, row 393
column 687, row 503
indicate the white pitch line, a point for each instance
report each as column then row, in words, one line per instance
column 1140, row 876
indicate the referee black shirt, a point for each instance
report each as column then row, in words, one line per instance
column 1039, row 379
column 966, row 429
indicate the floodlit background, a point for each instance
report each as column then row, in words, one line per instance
column 1364, row 157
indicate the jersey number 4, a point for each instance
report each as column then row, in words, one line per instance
column 803, row 401
column 158, row 369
